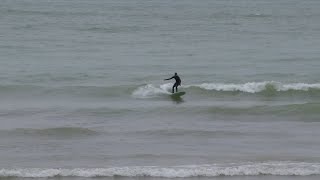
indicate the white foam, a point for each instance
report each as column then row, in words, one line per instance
column 250, row 87
column 244, row 169
column 299, row 86
column 254, row 87
column 150, row 90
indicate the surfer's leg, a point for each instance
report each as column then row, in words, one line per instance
column 175, row 86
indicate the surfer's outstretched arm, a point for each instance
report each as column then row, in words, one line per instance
column 169, row 78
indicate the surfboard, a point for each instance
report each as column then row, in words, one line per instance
column 178, row 94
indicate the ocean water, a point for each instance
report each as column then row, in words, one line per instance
column 83, row 96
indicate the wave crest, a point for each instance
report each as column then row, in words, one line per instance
column 265, row 87
column 255, row 87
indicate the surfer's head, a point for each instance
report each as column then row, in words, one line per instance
column 175, row 74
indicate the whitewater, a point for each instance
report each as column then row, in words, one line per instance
column 244, row 169
column 250, row 87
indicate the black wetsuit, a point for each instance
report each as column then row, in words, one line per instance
column 178, row 82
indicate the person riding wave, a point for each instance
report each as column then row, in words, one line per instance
column 177, row 83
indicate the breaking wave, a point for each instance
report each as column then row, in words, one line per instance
column 255, row 87
column 266, row 87
column 150, row 90
column 214, row 170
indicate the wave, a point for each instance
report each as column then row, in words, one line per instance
column 53, row 132
column 255, row 87
column 257, row 15
column 214, row 170
column 190, row 132
column 114, row 29
column 45, row 12
column 266, row 88
column 304, row 109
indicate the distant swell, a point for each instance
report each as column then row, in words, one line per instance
column 70, row 91
column 244, row 169
column 57, row 132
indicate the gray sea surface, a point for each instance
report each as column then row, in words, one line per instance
column 83, row 94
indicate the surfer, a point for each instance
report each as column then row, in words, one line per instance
column 177, row 83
